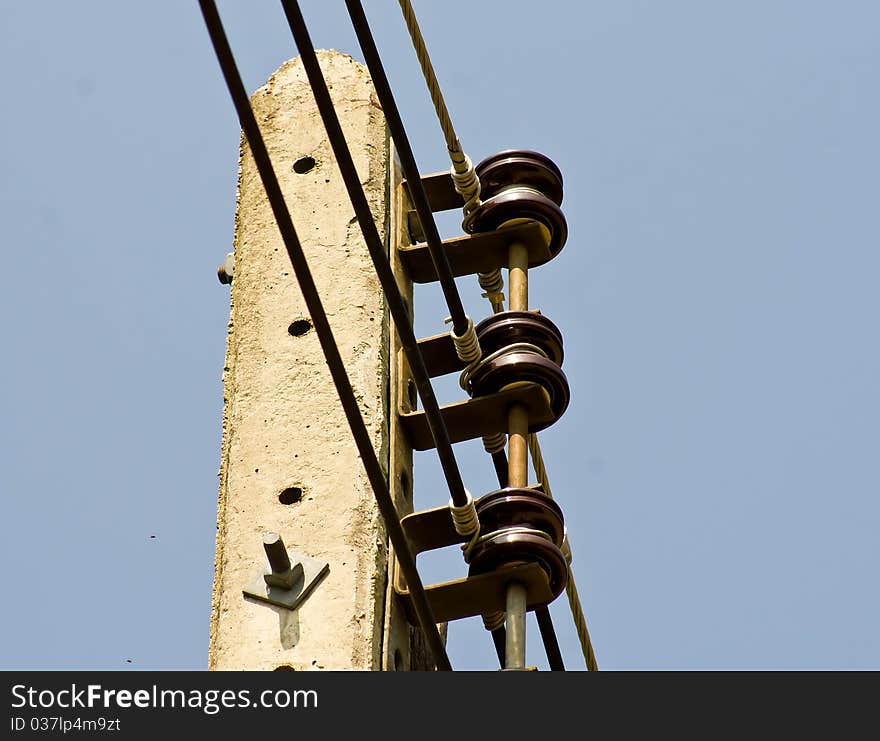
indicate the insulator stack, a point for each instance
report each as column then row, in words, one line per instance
column 516, row 388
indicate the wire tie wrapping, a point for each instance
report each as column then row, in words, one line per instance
column 495, row 442
column 465, row 180
column 492, row 282
column 494, row 620
column 466, row 522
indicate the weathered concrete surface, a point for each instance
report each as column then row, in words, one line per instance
column 283, row 425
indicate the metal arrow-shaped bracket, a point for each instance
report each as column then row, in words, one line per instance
column 292, row 577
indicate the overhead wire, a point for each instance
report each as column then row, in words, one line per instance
column 388, row 511
column 467, row 184
column 464, row 176
column 376, row 248
column 413, row 177
column 461, row 502
column 574, row 602
column 493, row 283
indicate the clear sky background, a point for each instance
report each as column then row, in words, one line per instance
column 718, row 295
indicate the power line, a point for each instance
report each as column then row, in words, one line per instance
column 408, row 165
column 315, row 307
column 376, row 248
column 420, row 201
column 467, row 184
column 398, row 309
column 463, row 173
column 574, row 600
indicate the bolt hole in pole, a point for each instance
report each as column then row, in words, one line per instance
column 291, row 495
column 299, row 327
column 304, row 165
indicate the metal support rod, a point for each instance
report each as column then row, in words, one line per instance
column 517, row 461
column 517, row 475
column 315, row 306
column 518, row 446
column 518, row 277
column 518, row 280
column 515, row 622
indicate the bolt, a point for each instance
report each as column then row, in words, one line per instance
column 227, row 269
column 284, row 574
column 276, row 553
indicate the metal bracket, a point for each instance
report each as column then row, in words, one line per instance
column 432, row 529
column 483, row 415
column 292, row 578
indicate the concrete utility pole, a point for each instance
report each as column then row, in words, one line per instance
column 289, row 465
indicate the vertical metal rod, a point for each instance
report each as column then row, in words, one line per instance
column 518, row 423
column 518, row 446
column 518, row 277
column 515, row 648
column 518, row 285
column 517, row 462
column 517, row 475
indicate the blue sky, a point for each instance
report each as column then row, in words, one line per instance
column 717, row 295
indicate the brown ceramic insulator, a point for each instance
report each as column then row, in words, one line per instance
column 523, row 366
column 508, row 327
column 505, row 549
column 522, row 203
column 521, row 507
column 519, row 167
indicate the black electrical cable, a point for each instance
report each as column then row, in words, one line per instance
column 499, row 639
column 377, row 252
column 413, row 178
column 548, row 638
column 408, row 165
column 376, row 247
column 325, row 335
column 441, row 264
column 499, row 461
